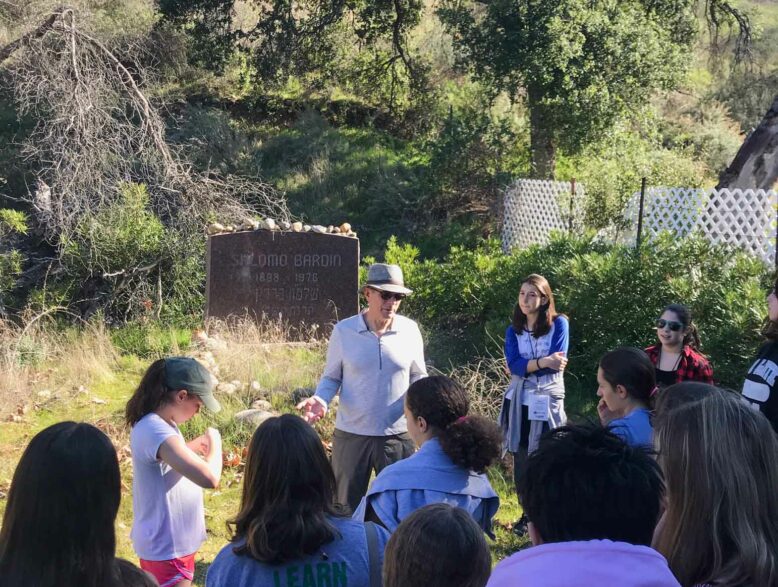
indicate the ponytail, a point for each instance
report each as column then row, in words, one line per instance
column 692, row 338
column 471, row 442
column 150, row 394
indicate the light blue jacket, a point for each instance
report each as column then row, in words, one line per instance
column 429, row 476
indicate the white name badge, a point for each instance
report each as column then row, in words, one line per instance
column 539, row 407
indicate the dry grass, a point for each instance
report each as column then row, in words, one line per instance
column 485, row 382
column 270, row 353
column 35, row 355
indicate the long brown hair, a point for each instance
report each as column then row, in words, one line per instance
column 547, row 311
column 150, row 394
column 720, row 460
column 288, row 492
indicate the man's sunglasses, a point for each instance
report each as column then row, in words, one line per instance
column 388, row 295
column 671, row 324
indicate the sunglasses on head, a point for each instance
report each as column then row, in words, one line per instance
column 389, row 295
column 671, row 324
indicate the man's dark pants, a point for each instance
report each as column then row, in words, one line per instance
column 355, row 457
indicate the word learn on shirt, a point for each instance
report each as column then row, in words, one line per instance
column 308, row 575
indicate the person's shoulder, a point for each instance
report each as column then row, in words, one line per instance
column 405, row 324
column 561, row 322
column 149, row 432
column 349, row 529
column 695, row 355
column 350, row 323
column 652, row 350
column 151, row 423
column 223, row 564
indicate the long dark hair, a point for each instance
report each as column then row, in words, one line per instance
column 150, row 394
column 58, row 527
column 547, row 311
column 631, row 368
column 472, row 442
column 692, row 336
column 288, row 492
column 437, row 546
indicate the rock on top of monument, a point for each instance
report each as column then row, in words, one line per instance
column 283, row 226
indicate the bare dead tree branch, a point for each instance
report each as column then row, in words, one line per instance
column 97, row 131
column 45, row 27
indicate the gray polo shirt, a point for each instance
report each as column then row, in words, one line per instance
column 372, row 373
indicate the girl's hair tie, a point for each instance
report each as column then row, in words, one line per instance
column 462, row 419
column 654, row 391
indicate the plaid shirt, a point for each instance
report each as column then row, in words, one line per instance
column 692, row 367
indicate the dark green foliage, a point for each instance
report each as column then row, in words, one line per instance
column 125, row 261
column 12, row 222
column 360, row 43
column 611, row 294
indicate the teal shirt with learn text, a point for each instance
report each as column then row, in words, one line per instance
column 341, row 563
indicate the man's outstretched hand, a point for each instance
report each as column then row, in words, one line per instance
column 312, row 410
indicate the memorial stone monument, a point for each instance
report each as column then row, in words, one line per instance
column 303, row 278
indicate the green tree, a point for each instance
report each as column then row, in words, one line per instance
column 578, row 65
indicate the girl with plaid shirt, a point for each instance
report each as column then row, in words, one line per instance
column 676, row 357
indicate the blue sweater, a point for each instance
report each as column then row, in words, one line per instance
column 519, row 354
column 634, row 429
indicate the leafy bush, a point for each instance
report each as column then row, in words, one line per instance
column 611, row 294
column 11, row 260
column 123, row 258
column 122, row 236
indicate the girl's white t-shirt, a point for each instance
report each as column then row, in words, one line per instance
column 168, row 516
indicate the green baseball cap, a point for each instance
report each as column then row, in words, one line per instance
column 187, row 373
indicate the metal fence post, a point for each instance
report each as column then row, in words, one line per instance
column 640, row 211
column 572, row 197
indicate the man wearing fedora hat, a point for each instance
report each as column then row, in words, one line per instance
column 372, row 359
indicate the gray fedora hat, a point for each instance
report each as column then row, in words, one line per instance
column 385, row 277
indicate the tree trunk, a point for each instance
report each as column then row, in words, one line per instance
column 542, row 145
column 756, row 164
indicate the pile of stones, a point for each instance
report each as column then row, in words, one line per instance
column 282, row 226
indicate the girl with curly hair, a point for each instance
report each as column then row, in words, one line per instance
column 455, row 450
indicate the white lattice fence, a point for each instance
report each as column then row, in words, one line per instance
column 535, row 207
column 742, row 218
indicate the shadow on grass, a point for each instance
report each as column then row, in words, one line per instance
column 201, row 569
